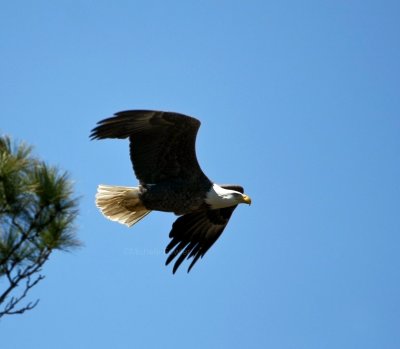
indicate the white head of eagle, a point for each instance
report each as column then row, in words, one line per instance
column 219, row 197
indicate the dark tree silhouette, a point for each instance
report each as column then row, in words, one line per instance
column 37, row 214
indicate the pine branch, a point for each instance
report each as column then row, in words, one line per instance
column 37, row 212
column 14, row 281
column 14, row 301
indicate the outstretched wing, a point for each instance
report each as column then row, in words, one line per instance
column 162, row 144
column 193, row 234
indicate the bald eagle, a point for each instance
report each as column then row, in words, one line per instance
column 162, row 151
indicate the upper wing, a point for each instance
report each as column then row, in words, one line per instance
column 194, row 233
column 162, row 144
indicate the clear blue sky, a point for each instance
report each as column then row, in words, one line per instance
column 299, row 103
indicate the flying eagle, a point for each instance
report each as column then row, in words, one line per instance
column 162, row 151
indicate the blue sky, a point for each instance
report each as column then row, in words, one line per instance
column 299, row 103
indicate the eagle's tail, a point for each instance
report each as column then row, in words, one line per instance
column 121, row 204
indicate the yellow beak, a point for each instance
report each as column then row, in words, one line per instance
column 246, row 199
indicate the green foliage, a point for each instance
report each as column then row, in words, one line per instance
column 37, row 214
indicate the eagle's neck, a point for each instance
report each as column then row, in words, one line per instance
column 218, row 197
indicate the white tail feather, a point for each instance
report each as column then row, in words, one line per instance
column 120, row 204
